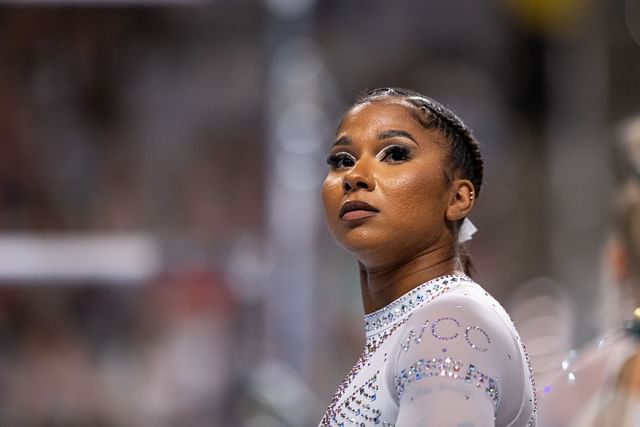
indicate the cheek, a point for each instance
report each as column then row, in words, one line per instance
column 418, row 196
column 331, row 195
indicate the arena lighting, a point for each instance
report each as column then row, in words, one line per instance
column 72, row 258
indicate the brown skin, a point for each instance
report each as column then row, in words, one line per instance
column 411, row 239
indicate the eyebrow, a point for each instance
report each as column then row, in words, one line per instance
column 343, row 140
column 392, row 133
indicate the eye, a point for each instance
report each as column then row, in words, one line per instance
column 341, row 160
column 394, row 153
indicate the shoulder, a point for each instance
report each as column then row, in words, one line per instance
column 465, row 334
column 469, row 312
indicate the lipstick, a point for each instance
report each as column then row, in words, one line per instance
column 355, row 210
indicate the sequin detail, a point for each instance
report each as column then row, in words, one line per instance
column 379, row 320
column 363, row 400
column 334, row 412
column 534, row 400
column 412, row 336
column 379, row 326
column 444, row 337
column 472, row 344
column 447, row 367
column 358, row 409
column 532, row 420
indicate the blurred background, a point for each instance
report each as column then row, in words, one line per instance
column 163, row 256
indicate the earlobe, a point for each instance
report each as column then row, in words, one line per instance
column 462, row 200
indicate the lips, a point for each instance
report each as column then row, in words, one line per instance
column 356, row 209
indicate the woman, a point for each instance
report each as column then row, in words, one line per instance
column 404, row 174
column 600, row 385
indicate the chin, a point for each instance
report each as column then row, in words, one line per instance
column 383, row 248
column 370, row 248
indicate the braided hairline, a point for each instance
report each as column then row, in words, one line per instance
column 420, row 100
column 447, row 122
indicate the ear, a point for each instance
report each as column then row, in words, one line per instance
column 462, row 199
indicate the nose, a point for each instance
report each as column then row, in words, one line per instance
column 357, row 179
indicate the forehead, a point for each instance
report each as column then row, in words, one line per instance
column 376, row 115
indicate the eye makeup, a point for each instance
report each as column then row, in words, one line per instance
column 394, row 153
column 341, row 160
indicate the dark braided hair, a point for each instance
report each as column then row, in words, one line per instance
column 466, row 160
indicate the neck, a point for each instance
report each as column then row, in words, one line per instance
column 382, row 285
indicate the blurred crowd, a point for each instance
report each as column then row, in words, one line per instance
column 166, row 354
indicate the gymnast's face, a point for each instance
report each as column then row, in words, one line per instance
column 386, row 196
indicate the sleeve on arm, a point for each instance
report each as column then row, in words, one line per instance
column 451, row 365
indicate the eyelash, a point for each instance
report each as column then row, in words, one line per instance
column 336, row 161
column 392, row 153
column 397, row 153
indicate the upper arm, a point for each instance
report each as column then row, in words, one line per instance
column 453, row 361
column 440, row 404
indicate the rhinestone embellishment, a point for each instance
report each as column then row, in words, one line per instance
column 358, row 409
column 450, row 368
column 444, row 337
column 474, row 346
column 381, row 319
column 364, row 399
column 334, row 411
column 379, row 326
column 412, row 336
